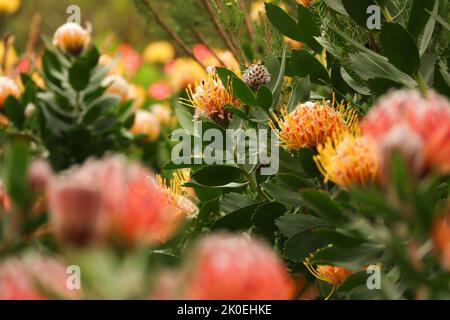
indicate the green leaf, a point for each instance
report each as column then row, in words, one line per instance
column 264, row 98
column 233, row 201
column 282, row 21
column 357, row 10
column 14, row 111
column 399, row 47
column 336, row 5
column 217, row 175
column 418, row 17
column 243, row 92
column 17, row 157
column 265, row 216
column 291, row 224
column 354, row 258
column 352, row 83
column 301, row 245
column 278, row 86
column 307, row 28
column 369, row 66
column 301, row 92
column 238, row 220
column 185, row 116
column 79, row 75
column 429, row 29
column 321, row 203
column 303, row 64
column 380, row 86
column 285, row 188
column 442, row 78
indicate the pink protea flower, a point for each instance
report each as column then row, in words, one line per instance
column 427, row 118
column 159, row 90
column 232, row 267
column 39, row 175
column 34, row 277
column 110, row 198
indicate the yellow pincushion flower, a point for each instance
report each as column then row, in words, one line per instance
column 210, row 97
column 9, row 6
column 176, row 195
column 348, row 159
column 159, row 52
column 184, row 71
column 311, row 124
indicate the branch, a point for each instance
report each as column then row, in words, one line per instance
column 203, row 41
column 219, row 28
column 168, row 29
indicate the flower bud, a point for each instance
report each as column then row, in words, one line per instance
column 71, row 38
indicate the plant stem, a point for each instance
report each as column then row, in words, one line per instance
column 421, row 82
column 219, row 28
column 387, row 14
column 256, row 187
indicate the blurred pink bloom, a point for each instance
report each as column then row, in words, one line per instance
column 201, row 52
column 426, row 118
column 110, row 199
column 39, row 175
column 159, row 90
column 28, row 277
column 234, row 267
column 130, row 58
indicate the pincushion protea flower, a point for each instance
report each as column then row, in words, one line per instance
column 348, row 159
column 230, row 267
column 177, row 197
column 428, row 119
column 210, row 97
column 311, row 124
column 441, row 238
column 333, row 275
column 110, row 198
column 7, row 88
column 34, row 277
column 71, row 38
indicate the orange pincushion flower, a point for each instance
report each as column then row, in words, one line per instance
column 348, row 159
column 183, row 71
column 176, row 196
column 7, row 88
column 71, row 38
column 441, row 238
column 428, row 119
column 232, row 267
column 23, row 278
column 210, row 97
column 305, row 3
column 310, row 124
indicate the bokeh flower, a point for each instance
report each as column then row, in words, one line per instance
column 184, row 71
column 9, row 6
column 348, row 159
column 130, row 59
column 118, row 86
column 441, row 239
column 312, row 123
column 71, row 38
column 160, row 52
column 34, row 277
column 162, row 113
column 305, row 3
column 159, row 90
column 427, row 118
column 146, row 123
column 110, row 199
column 7, row 88
column 234, row 267
column 210, row 97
